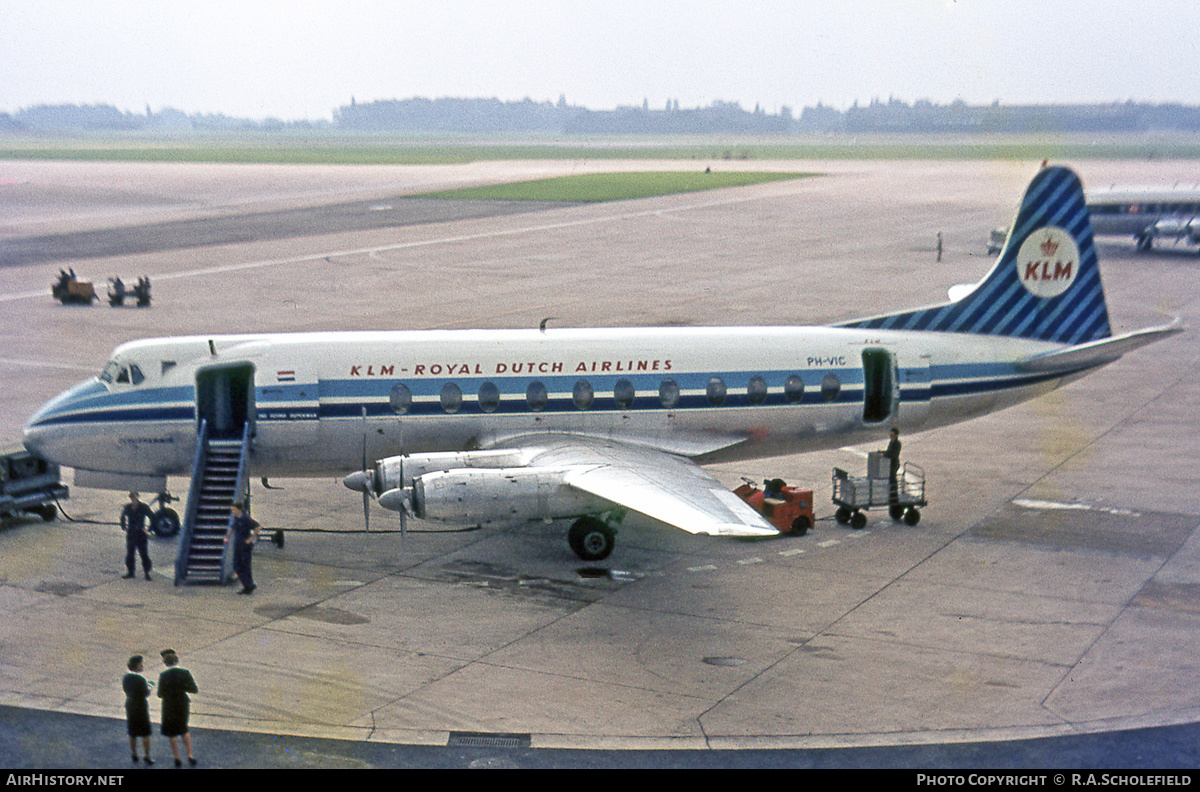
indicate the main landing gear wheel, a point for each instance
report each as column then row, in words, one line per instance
column 165, row 523
column 591, row 539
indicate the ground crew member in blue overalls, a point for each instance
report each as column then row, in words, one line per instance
column 134, row 518
column 893, row 455
column 243, row 532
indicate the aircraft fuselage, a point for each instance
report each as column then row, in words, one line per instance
column 319, row 403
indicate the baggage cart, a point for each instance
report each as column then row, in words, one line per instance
column 856, row 494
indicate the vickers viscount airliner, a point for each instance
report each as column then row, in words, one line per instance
column 1147, row 213
column 481, row 427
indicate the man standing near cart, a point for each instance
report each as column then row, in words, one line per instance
column 893, row 455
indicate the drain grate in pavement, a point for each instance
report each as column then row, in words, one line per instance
column 488, row 740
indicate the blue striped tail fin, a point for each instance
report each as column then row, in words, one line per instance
column 1045, row 285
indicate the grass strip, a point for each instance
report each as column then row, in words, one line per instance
column 599, row 187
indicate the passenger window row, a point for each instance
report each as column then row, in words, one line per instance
column 583, row 395
column 1144, row 208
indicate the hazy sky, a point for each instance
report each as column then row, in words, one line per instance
column 299, row 59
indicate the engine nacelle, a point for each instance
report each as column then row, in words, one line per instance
column 474, row 488
column 399, row 472
column 505, row 495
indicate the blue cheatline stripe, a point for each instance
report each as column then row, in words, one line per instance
column 149, row 413
column 1001, row 305
column 973, row 387
column 950, row 381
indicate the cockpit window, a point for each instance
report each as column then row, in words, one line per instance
column 128, row 374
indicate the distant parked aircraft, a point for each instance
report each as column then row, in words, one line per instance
column 1147, row 213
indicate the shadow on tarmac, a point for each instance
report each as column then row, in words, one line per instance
column 39, row 740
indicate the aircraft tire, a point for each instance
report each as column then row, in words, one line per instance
column 591, row 539
column 165, row 523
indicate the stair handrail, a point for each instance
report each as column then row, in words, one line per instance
column 241, row 492
column 193, row 505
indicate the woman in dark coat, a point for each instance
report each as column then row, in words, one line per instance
column 174, row 685
column 137, row 708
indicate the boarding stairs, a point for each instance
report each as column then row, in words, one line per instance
column 219, row 477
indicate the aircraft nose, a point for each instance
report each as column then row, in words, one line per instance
column 35, row 441
column 39, row 436
column 46, row 433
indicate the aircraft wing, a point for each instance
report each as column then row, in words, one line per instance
column 668, row 488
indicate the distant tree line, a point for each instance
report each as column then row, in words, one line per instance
column 451, row 115
column 925, row 117
column 495, row 116
column 88, row 118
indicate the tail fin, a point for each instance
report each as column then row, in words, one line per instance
column 1045, row 285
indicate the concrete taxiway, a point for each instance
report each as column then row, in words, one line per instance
column 1052, row 586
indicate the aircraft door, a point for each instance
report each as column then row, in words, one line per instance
column 881, row 385
column 225, row 398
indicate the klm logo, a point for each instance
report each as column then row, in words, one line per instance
column 1048, row 262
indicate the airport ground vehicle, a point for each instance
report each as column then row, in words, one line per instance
column 855, row 494
column 117, row 292
column 69, row 290
column 996, row 240
column 29, row 484
column 789, row 509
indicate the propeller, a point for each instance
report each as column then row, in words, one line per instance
column 368, row 480
column 368, row 483
column 363, row 481
column 398, row 500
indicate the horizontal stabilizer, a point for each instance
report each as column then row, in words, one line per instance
column 1098, row 353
